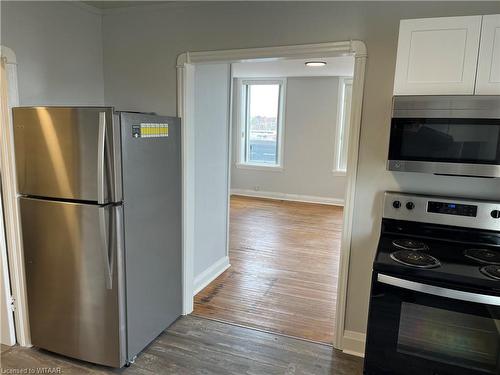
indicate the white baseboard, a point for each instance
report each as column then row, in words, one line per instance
column 210, row 274
column 288, row 197
column 354, row 343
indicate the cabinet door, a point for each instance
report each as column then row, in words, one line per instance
column 437, row 56
column 488, row 69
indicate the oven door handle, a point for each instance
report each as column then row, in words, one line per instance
column 439, row 291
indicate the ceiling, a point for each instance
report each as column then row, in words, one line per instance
column 113, row 4
column 335, row 66
column 118, row 4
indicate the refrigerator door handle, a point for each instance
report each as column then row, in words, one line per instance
column 107, row 246
column 116, row 157
column 101, row 141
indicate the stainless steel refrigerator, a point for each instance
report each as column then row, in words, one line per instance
column 101, row 225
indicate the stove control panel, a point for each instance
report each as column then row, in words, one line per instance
column 452, row 208
column 442, row 210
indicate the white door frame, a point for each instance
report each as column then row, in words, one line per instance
column 185, row 110
column 7, row 331
column 11, row 205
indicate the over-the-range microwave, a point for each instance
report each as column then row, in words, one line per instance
column 446, row 135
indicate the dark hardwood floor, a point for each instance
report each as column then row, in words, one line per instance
column 284, row 269
column 194, row 345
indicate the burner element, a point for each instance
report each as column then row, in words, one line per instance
column 492, row 271
column 415, row 259
column 410, row 244
column 483, row 255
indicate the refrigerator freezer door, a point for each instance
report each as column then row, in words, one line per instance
column 152, row 211
column 74, row 270
column 67, row 153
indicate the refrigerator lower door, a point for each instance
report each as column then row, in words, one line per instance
column 74, row 270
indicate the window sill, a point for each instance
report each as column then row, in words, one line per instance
column 258, row 167
column 339, row 173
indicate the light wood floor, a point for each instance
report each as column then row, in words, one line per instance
column 284, row 269
column 199, row 346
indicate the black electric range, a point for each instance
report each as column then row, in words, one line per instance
column 435, row 299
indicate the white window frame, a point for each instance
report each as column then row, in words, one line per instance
column 241, row 104
column 341, row 133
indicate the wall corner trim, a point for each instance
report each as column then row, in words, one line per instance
column 359, row 48
column 86, row 7
column 210, row 274
column 288, row 197
column 182, row 59
column 8, row 54
column 354, row 343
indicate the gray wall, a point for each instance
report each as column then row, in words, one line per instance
column 59, row 52
column 141, row 46
column 309, row 144
column 211, row 123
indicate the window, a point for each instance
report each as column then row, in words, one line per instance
column 261, row 122
column 343, row 125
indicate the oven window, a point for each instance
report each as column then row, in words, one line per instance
column 446, row 140
column 449, row 337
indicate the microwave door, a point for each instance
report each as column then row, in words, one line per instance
column 67, row 153
column 469, row 147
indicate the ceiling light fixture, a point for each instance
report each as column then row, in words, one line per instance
column 315, row 63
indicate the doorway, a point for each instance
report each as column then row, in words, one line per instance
column 289, row 126
column 187, row 65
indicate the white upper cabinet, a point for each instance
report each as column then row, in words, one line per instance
column 438, row 56
column 488, row 68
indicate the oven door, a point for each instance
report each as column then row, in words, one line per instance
column 449, row 146
column 422, row 329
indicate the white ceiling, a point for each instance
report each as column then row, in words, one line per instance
column 112, row 4
column 117, row 4
column 335, row 66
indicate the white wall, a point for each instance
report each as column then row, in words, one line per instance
column 211, row 127
column 59, row 52
column 308, row 145
column 141, row 46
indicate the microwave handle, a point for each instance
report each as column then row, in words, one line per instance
column 439, row 291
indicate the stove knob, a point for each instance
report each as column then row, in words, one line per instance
column 495, row 214
column 410, row 205
column 396, row 204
